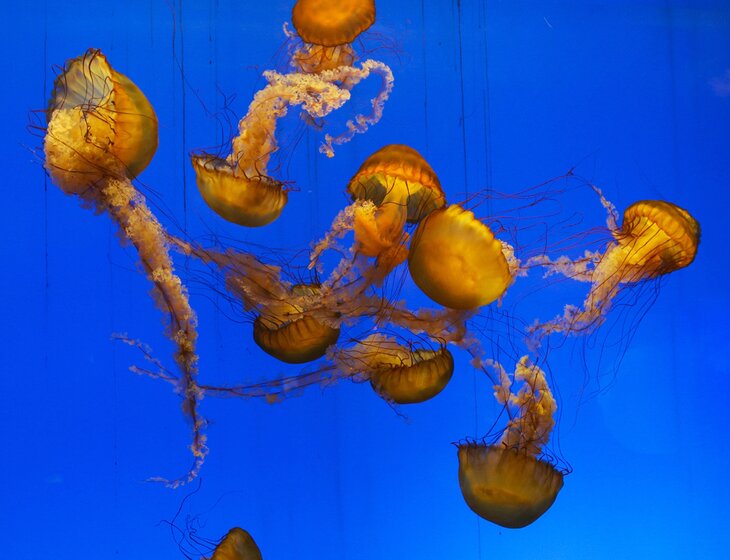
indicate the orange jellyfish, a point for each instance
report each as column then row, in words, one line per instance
column 401, row 186
column 398, row 373
column 507, row 483
column 102, row 131
column 655, row 238
column 327, row 28
column 239, row 187
column 290, row 334
column 238, row 544
column 456, row 260
column 100, row 125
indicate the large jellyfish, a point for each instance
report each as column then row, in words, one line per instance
column 456, row 260
column 507, row 482
column 655, row 238
column 102, row 132
column 327, row 29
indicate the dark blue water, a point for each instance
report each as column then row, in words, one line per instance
column 634, row 96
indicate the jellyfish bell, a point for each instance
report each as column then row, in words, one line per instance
column 289, row 334
column 506, row 486
column 238, row 544
column 402, row 187
column 248, row 201
column 656, row 238
column 100, row 124
column 327, row 28
column 403, row 374
column 419, row 376
column 456, row 261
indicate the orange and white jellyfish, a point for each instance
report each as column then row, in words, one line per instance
column 239, row 187
column 655, row 238
column 507, row 483
column 456, row 260
column 327, row 29
column 102, row 132
column 238, row 544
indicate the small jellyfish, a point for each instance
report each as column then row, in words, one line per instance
column 291, row 335
column 402, row 187
column 456, row 260
column 655, row 238
column 327, row 28
column 507, row 483
column 251, row 201
column 101, row 133
column 398, row 373
column 238, row 544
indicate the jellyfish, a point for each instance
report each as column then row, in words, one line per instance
column 507, row 482
column 102, row 132
column 400, row 374
column 238, row 544
column 239, row 187
column 402, row 187
column 289, row 334
column 456, row 260
column 327, row 29
column 655, row 238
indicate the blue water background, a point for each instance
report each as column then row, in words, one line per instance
column 634, row 95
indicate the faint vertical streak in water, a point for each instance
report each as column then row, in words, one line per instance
column 462, row 101
column 487, row 124
column 677, row 425
column 45, row 191
column 424, row 60
column 183, row 133
column 466, row 189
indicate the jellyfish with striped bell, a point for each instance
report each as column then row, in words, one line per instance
column 394, row 185
column 456, row 260
column 327, row 29
column 100, row 125
column 402, row 374
column 287, row 332
column 655, row 238
column 102, row 132
column 507, row 482
column 238, row 544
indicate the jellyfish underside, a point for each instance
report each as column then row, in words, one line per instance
column 327, row 29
